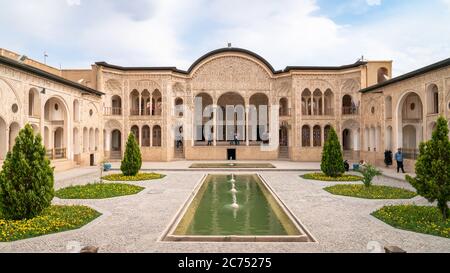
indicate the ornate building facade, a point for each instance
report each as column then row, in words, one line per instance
column 85, row 116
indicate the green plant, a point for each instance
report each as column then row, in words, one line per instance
column 137, row 177
column 332, row 161
column 52, row 220
column 423, row 219
column 97, row 191
column 372, row 192
column 432, row 179
column 132, row 161
column 324, row 177
column 369, row 172
column 26, row 179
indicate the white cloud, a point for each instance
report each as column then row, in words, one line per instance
column 174, row 33
column 373, row 2
column 73, row 2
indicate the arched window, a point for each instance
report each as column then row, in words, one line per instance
column 116, row 105
column 388, row 107
column 317, row 102
column 329, row 103
column 179, row 109
column 135, row 131
column 146, row 136
column 76, row 111
column 383, row 74
column 306, row 103
column 33, row 103
column 317, row 136
column 145, row 103
column 306, row 136
column 284, row 107
column 348, row 105
column 433, row 99
column 156, row 136
column 156, row 103
column 134, row 103
column 85, row 139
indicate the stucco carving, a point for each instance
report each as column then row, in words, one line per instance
column 231, row 73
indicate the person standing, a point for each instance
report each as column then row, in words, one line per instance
column 399, row 159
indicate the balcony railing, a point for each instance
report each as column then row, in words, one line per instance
column 112, row 111
column 285, row 112
column 350, row 110
column 410, row 153
column 145, row 112
column 57, row 153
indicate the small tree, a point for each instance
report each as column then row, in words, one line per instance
column 132, row 161
column 432, row 179
column 26, row 179
column 369, row 172
column 332, row 160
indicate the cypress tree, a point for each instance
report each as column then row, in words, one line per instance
column 132, row 161
column 432, row 179
column 26, row 179
column 332, row 161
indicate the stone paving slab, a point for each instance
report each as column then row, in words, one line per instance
column 135, row 223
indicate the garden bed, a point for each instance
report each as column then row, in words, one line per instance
column 138, row 177
column 372, row 192
column 97, row 191
column 52, row 220
column 323, row 177
column 422, row 219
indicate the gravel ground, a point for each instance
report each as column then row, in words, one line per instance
column 135, row 223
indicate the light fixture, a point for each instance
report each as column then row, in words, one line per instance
column 43, row 91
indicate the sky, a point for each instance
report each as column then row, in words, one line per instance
column 78, row 33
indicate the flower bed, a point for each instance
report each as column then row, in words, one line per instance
column 323, row 177
column 372, row 192
column 422, row 219
column 138, row 177
column 97, row 191
column 52, row 220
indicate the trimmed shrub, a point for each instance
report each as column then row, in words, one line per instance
column 432, row 179
column 332, row 160
column 26, row 179
column 132, row 161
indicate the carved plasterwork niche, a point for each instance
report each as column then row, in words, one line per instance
column 144, row 84
column 283, row 88
column 351, row 86
column 113, row 86
column 231, row 73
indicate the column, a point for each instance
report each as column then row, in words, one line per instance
column 140, row 104
column 247, row 139
column 323, row 105
column 214, row 135
column 312, row 105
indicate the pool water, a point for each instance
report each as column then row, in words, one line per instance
column 211, row 211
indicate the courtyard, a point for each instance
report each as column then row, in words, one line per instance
column 136, row 223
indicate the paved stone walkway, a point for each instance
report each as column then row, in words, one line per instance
column 135, row 223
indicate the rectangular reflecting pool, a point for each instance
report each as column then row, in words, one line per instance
column 235, row 208
column 232, row 166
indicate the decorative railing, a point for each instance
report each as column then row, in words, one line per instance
column 285, row 112
column 350, row 110
column 410, row 153
column 57, row 153
column 112, row 111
